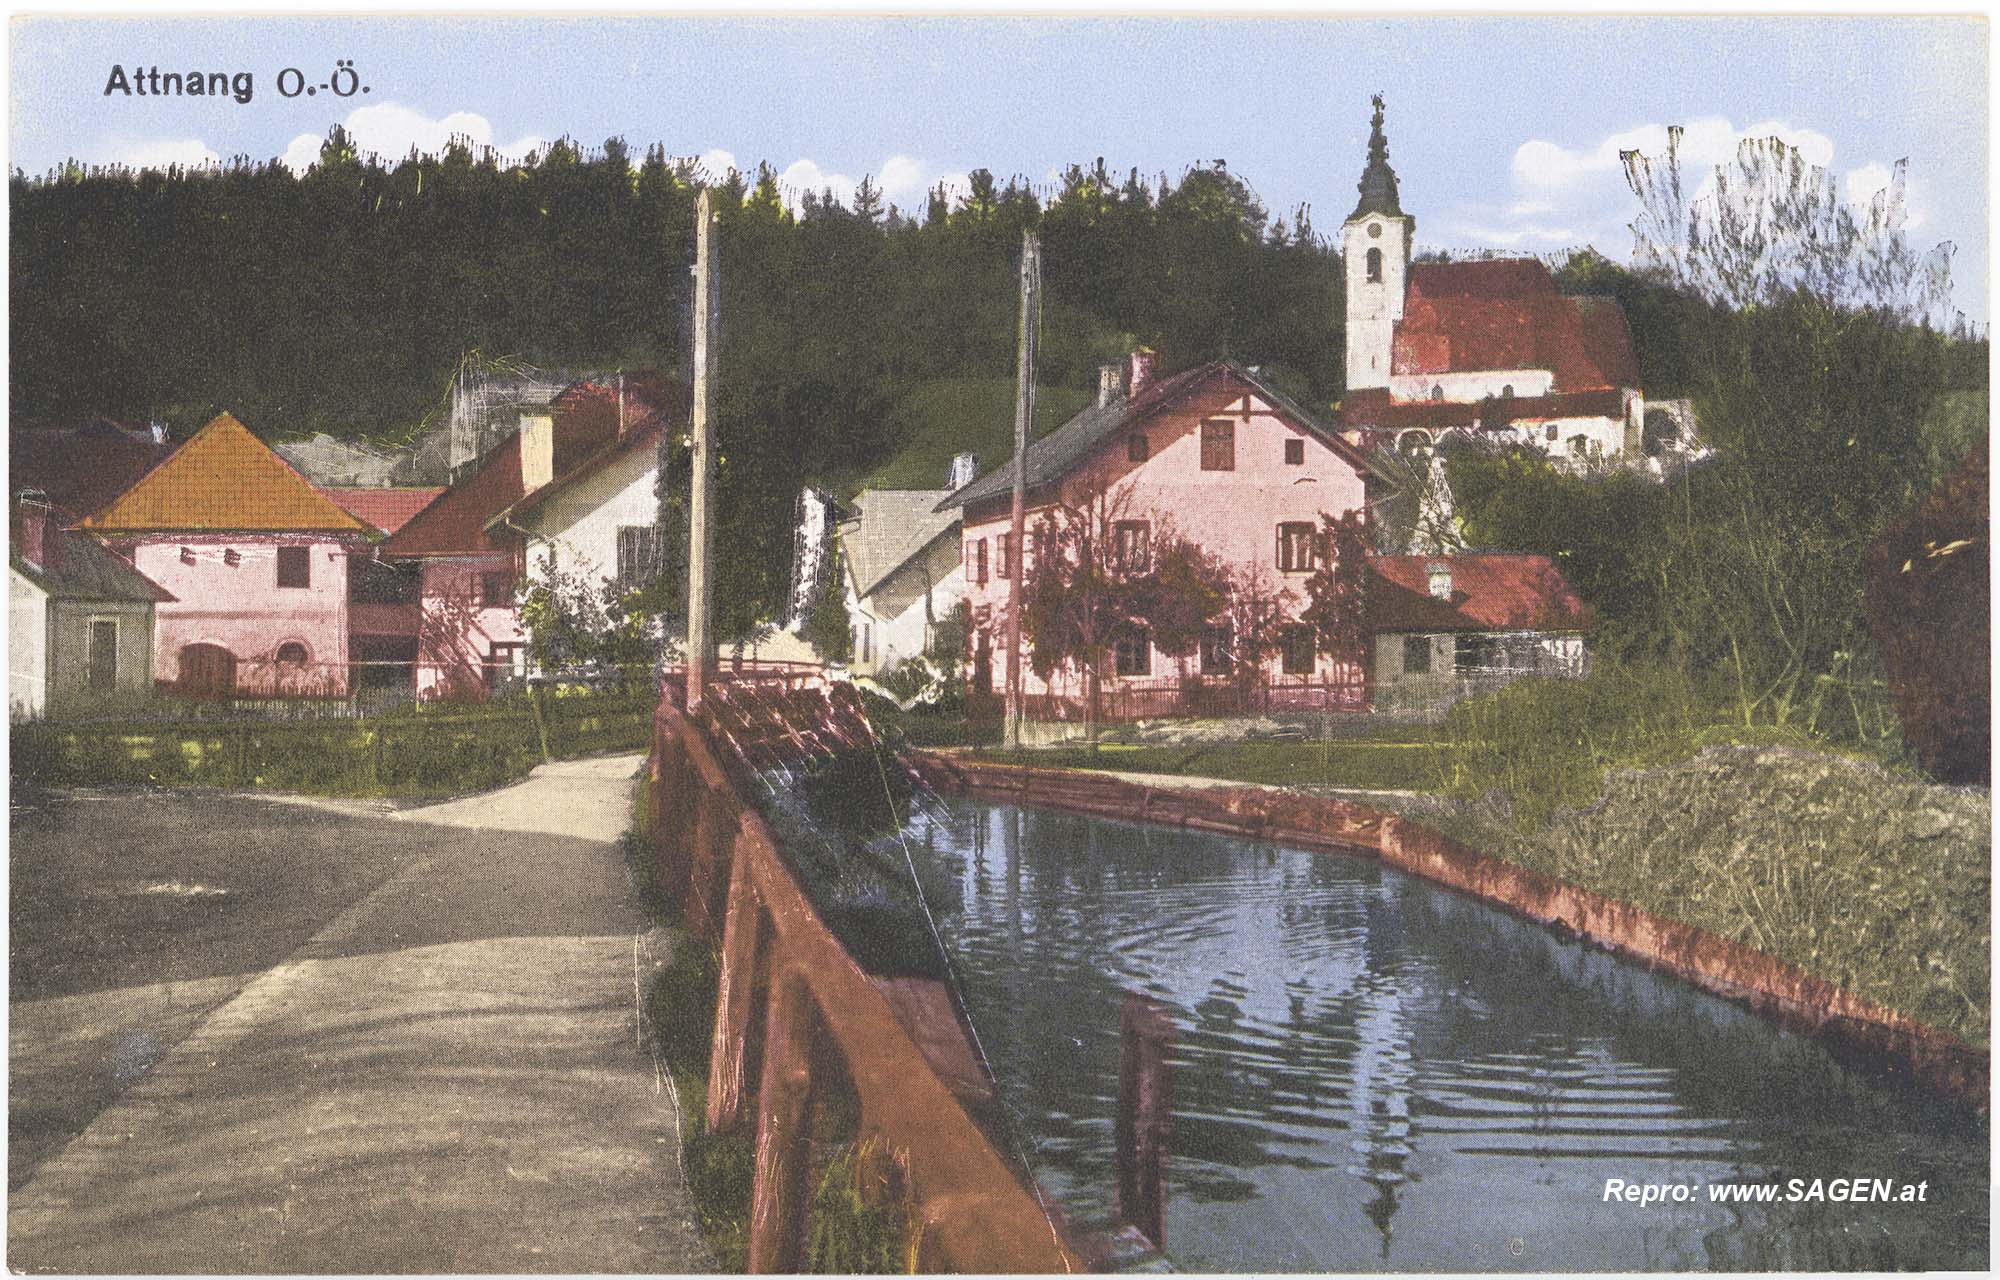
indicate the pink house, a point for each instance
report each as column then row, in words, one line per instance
column 256, row 560
column 1217, row 456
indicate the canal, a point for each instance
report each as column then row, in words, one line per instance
column 1376, row 1074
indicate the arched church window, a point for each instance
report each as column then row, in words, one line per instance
column 1374, row 266
column 1507, row 392
column 1550, row 433
column 1437, row 391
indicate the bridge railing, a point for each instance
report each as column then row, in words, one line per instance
column 806, row 1040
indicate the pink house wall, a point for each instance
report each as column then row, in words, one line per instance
column 241, row 607
column 1234, row 514
column 456, row 632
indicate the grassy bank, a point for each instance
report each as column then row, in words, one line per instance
column 405, row 753
column 1365, row 764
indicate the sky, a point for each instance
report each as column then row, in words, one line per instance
column 1504, row 131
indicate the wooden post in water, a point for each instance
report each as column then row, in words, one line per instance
column 701, row 507
column 1024, row 414
column 1144, row 1103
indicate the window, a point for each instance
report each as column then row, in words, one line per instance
column 1005, row 545
column 1295, row 453
column 1131, row 546
column 1437, row 391
column 1507, row 391
column 231, row 557
column 1578, row 443
column 1416, row 655
column 1299, row 650
column 638, row 555
column 294, row 566
column 1218, row 446
column 187, row 555
column 1135, row 653
column 496, row 590
column 1295, row 547
column 1549, row 433
column 1476, row 653
column 982, row 562
column 506, row 662
column 1216, row 656
column 374, row 582
column 1136, row 448
column 292, row 654
column 1375, row 265
column 104, row 653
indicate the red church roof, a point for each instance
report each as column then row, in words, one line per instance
column 1507, row 314
column 1489, row 592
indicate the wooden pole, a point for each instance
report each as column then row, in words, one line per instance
column 701, row 510
column 1024, row 413
column 1144, row 1103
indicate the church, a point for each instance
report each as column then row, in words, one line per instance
column 1490, row 348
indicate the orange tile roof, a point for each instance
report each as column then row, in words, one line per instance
column 1490, row 591
column 226, row 479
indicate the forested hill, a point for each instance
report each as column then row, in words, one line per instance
column 342, row 300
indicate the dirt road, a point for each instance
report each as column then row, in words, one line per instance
column 249, row 1035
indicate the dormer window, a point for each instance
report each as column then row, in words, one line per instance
column 1374, row 266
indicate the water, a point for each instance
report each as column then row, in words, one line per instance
column 1373, row 1073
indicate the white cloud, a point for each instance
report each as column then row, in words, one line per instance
column 1546, row 167
column 903, row 180
column 1863, row 184
column 158, row 153
column 802, row 175
column 391, row 130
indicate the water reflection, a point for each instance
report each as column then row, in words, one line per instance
column 1375, row 1074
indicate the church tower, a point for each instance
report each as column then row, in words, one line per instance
column 1376, row 244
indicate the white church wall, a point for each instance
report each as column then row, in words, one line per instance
column 1465, row 387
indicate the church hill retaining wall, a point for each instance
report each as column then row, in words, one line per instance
column 1858, row 1031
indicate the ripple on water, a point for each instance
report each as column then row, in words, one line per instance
column 1371, row 1073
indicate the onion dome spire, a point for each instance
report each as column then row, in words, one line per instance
column 1378, row 180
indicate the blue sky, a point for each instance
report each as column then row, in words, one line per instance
column 1503, row 130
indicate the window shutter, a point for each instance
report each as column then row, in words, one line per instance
column 1280, row 562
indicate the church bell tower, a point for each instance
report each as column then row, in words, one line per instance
column 1375, row 242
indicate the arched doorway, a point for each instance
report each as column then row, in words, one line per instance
column 207, row 671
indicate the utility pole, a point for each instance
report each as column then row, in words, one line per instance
column 701, row 508
column 1024, row 414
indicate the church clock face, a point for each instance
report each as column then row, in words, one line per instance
column 1375, row 230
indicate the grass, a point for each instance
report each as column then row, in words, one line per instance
column 943, row 418
column 1363, row 764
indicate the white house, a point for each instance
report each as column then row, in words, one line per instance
column 597, row 522
column 902, row 572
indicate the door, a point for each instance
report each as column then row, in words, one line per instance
column 207, row 671
column 103, row 654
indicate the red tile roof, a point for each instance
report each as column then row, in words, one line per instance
column 1489, row 592
column 1508, row 314
column 646, row 437
column 454, row 524
column 224, row 479
column 387, row 509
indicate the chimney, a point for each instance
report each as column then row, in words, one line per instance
column 964, row 470
column 159, row 432
column 32, row 511
column 1440, row 579
column 1141, row 361
column 1110, row 383
column 538, row 450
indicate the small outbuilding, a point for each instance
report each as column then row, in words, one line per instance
column 1445, row 627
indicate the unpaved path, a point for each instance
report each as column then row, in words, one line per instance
column 251, row 1036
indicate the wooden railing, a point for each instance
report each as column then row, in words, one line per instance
column 804, row 1037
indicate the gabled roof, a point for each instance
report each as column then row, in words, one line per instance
column 387, row 509
column 645, row 437
column 894, row 525
column 223, row 479
column 1508, row 314
column 1054, row 455
column 82, row 468
column 81, row 568
column 1489, row 592
column 454, row 524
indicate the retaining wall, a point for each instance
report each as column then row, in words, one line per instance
column 1857, row 1031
